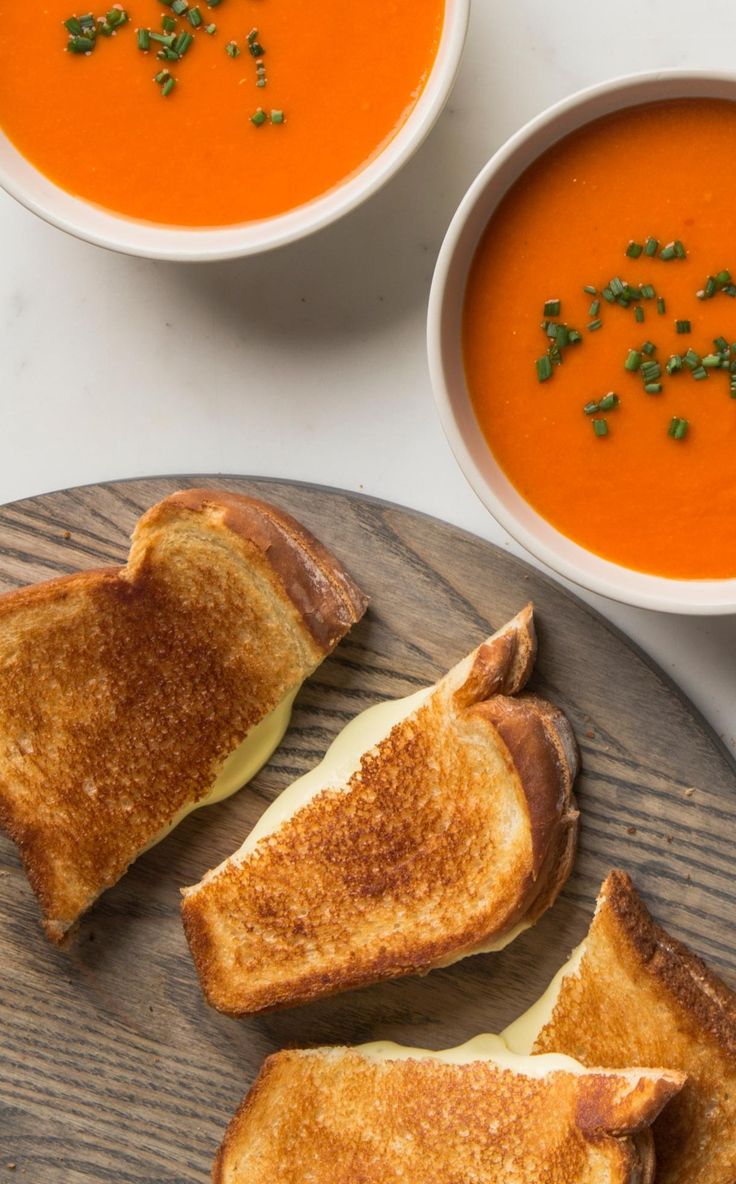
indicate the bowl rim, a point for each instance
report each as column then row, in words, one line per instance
column 611, row 580
column 114, row 231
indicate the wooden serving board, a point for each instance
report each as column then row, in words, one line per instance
column 112, row 1067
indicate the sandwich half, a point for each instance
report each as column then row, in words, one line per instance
column 436, row 827
column 384, row 1114
column 124, row 692
column 633, row 995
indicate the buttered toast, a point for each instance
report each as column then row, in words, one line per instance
column 383, row 1114
column 435, row 827
column 123, row 691
column 633, row 995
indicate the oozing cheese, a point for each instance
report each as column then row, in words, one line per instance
column 242, row 764
column 521, row 1035
column 492, row 1049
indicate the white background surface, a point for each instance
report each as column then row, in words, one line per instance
column 310, row 362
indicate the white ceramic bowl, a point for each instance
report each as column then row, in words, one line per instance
column 445, row 349
column 118, row 233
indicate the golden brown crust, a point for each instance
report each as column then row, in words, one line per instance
column 122, row 691
column 335, row 1116
column 439, row 827
column 641, row 997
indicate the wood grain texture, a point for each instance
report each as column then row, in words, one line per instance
column 112, row 1067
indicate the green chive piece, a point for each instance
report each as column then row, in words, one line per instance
column 80, row 44
column 73, row 26
column 691, row 359
column 732, row 387
column 712, row 361
column 679, row 249
column 699, row 373
column 210, row 29
column 179, row 7
column 590, row 289
column 87, row 21
column 653, row 388
column 195, row 17
column 182, row 43
column 259, row 117
column 544, row 366
column 161, row 76
column 595, row 307
column 278, row 117
column 600, row 427
column 648, row 348
column 721, row 344
column 668, row 252
column 661, row 306
column 683, row 327
column 608, row 295
column 561, row 336
column 552, row 308
column 168, row 23
column 650, row 246
column 590, row 408
column 647, row 292
column 678, row 428
column 256, row 49
column 232, row 49
column 639, row 313
column 106, row 29
column 252, row 36
column 633, row 360
column 573, row 336
column 117, row 16
column 594, row 325
column 634, row 250
column 144, row 39
column 723, row 278
column 616, row 286
column 168, row 86
column 609, row 401
column 161, row 38
column 674, row 364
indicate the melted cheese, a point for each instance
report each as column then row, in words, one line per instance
column 491, row 1049
column 522, row 1034
column 242, row 764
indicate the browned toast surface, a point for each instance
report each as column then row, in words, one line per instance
column 640, row 997
column 456, row 827
column 335, row 1116
column 123, row 691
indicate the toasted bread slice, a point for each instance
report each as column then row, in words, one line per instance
column 409, row 847
column 383, row 1114
column 123, row 691
column 633, row 995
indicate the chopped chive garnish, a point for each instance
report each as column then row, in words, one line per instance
column 653, row 388
column 590, row 289
column 105, row 28
column 179, row 7
column 167, row 55
column 661, row 306
column 117, row 16
column 595, row 307
column 182, row 43
column 678, row 427
column 80, row 44
column 168, row 23
column 699, row 373
column 651, row 245
column 232, row 49
column 73, row 26
column 256, row 49
column 195, row 17
column 278, row 117
column 680, row 251
column 683, row 327
column 252, row 36
column 161, row 76
column 544, row 366
column 168, row 86
column 634, row 250
column 210, row 29
column 600, row 427
column 161, row 38
column 616, row 286
column 673, row 250
column 594, row 325
column 647, row 292
column 144, row 38
column 648, row 348
column 691, row 359
column 552, row 308
column 590, row 408
column 639, row 313
column 721, row 344
column 633, row 360
column 674, row 364
column 608, row 295
column 712, row 361
column 87, row 21
column 609, row 401
column 573, row 336
column 259, row 117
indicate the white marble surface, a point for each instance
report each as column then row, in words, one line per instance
column 310, row 362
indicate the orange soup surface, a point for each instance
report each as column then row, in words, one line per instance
column 655, row 490
column 344, row 76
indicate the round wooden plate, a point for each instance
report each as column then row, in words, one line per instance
column 112, row 1067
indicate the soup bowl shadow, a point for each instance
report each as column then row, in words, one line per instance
column 444, row 343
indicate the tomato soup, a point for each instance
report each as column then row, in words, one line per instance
column 599, row 337
column 272, row 104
